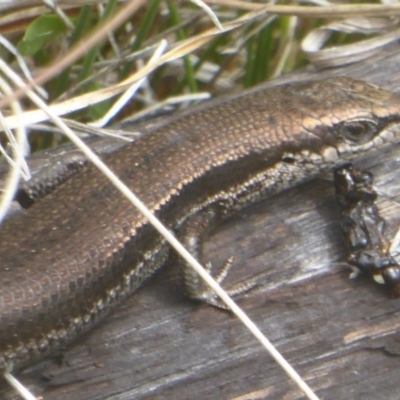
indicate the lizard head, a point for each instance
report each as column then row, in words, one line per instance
column 351, row 117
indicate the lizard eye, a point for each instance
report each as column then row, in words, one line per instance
column 358, row 131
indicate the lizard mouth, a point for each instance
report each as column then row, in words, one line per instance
column 345, row 151
column 359, row 138
column 388, row 135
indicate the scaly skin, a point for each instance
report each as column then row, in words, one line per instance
column 75, row 254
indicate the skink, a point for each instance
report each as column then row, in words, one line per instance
column 69, row 259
